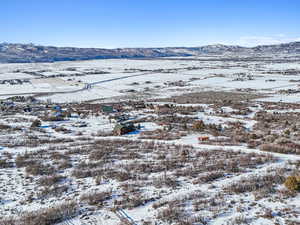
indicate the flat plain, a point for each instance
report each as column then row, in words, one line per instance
column 182, row 140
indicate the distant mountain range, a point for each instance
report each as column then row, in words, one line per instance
column 25, row 53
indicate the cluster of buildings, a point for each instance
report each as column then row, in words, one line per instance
column 47, row 111
column 15, row 81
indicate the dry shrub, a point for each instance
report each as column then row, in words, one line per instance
column 287, row 148
column 132, row 201
column 4, row 163
column 214, row 203
column 39, row 169
column 78, row 173
column 50, row 180
column 240, row 219
column 48, row 216
column 263, row 193
column 31, row 141
column 53, row 191
column 210, row 97
column 24, row 160
column 198, row 125
column 98, row 180
column 99, row 154
column 209, row 177
column 160, row 134
column 122, row 175
column 96, row 198
column 64, row 164
column 267, row 214
column 171, row 214
column 286, row 194
column 254, row 183
column 5, row 127
column 165, row 181
column 55, row 155
column 8, row 221
column 292, row 183
column 174, row 212
column 52, row 215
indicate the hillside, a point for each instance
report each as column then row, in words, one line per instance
column 23, row 53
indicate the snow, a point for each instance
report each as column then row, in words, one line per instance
column 211, row 75
column 111, row 86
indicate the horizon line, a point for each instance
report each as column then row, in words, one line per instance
column 112, row 48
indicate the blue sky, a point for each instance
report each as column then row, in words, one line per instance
column 149, row 23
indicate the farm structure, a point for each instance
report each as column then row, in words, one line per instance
column 124, row 128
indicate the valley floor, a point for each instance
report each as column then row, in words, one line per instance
column 212, row 142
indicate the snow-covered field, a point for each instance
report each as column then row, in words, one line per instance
column 116, row 77
column 214, row 142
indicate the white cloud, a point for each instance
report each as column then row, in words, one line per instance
column 264, row 40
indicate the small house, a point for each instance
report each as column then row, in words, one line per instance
column 203, row 138
column 80, row 124
column 27, row 109
column 124, row 128
column 107, row 109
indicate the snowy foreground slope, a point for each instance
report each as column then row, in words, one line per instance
column 215, row 141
